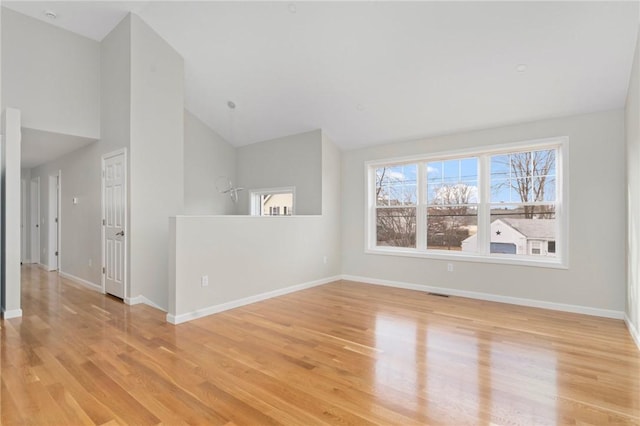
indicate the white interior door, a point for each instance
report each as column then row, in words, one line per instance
column 114, row 203
column 35, row 219
column 23, row 221
column 54, row 222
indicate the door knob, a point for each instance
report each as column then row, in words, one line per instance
column 121, row 234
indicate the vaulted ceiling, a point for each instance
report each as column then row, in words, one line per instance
column 375, row 72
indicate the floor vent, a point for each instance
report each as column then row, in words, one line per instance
column 438, row 294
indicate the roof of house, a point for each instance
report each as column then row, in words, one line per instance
column 533, row 228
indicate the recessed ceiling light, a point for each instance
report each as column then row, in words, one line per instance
column 50, row 14
column 231, row 104
column 292, row 8
column 521, row 67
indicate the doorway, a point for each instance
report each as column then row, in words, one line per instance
column 114, row 223
column 34, row 226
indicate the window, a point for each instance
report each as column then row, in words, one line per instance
column 452, row 203
column 535, row 247
column 551, row 247
column 502, row 204
column 523, row 196
column 273, row 202
column 396, row 198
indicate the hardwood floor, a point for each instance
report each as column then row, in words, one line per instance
column 343, row 353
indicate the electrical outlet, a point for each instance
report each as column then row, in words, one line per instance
column 204, row 281
column 325, row 260
column 449, row 267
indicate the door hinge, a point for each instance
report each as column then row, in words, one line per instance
column 56, row 253
column 104, row 270
column 56, row 220
column 104, row 222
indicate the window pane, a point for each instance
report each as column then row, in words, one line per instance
column 528, row 176
column 523, row 230
column 452, row 228
column 451, row 171
column 434, row 171
column 276, row 204
column 396, row 185
column 500, row 167
column 396, row 227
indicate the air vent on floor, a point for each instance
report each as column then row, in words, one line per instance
column 438, row 294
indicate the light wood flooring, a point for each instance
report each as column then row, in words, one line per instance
column 343, row 353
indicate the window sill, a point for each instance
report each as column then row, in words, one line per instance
column 459, row 257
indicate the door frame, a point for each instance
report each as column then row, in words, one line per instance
column 34, row 220
column 125, row 281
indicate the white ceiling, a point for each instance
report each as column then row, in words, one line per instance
column 39, row 147
column 374, row 72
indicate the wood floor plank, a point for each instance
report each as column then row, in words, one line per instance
column 343, row 353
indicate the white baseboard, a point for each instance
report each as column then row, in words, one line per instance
column 81, row 281
column 632, row 330
column 43, row 266
column 11, row 313
column 141, row 299
column 606, row 313
column 178, row 319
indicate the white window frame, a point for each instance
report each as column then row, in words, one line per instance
column 255, row 194
column 561, row 259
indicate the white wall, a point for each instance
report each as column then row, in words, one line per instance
column 632, row 133
column 156, row 160
column 51, row 75
column 246, row 256
column 10, row 262
column 207, row 156
column 596, row 276
column 289, row 161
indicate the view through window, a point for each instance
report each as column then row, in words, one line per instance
column 272, row 202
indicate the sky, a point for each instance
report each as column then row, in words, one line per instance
column 400, row 181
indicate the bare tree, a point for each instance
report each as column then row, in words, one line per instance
column 529, row 178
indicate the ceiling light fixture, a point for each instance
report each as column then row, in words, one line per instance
column 521, row 67
column 231, row 104
column 292, row 8
column 50, row 14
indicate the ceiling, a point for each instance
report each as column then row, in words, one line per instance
column 39, row 147
column 375, row 72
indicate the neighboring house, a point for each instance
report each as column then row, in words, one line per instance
column 534, row 237
column 277, row 204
